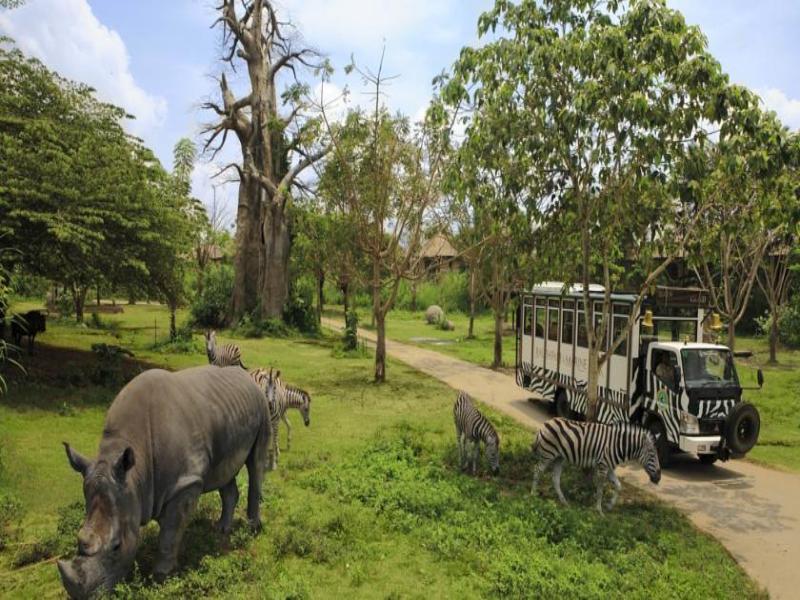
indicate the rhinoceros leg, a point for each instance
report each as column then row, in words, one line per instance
column 229, row 494
column 256, row 465
column 172, row 524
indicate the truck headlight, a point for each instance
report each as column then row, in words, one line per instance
column 689, row 423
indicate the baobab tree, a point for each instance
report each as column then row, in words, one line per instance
column 278, row 141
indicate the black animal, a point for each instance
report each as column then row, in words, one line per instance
column 27, row 324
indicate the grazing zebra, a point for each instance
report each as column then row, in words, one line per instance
column 473, row 428
column 593, row 445
column 281, row 397
column 225, row 355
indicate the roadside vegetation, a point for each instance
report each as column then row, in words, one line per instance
column 369, row 495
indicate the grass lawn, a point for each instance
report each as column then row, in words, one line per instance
column 410, row 327
column 368, row 503
column 778, row 402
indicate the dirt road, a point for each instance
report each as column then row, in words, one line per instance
column 753, row 511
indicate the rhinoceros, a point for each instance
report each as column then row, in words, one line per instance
column 168, row 438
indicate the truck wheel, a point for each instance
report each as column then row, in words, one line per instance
column 656, row 427
column 742, row 427
column 707, row 459
column 562, row 406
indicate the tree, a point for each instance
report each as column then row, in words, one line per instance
column 276, row 148
column 382, row 179
column 596, row 102
column 312, row 245
column 79, row 198
column 744, row 182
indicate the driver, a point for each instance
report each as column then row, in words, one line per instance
column 665, row 371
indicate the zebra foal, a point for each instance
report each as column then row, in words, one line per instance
column 596, row 446
column 225, row 355
column 472, row 428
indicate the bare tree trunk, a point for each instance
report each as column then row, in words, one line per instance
column 79, row 301
column 380, row 348
column 497, row 361
column 413, row 295
column 173, row 330
column 592, row 404
column 471, row 331
column 247, row 259
column 731, row 334
column 276, row 247
column 97, row 291
column 320, row 295
column 346, row 297
column 773, row 339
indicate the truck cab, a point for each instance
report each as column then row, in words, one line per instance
column 692, row 401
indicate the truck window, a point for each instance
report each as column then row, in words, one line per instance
column 581, row 337
column 567, row 326
column 663, row 364
column 620, row 324
column 540, row 322
column 527, row 319
column 552, row 330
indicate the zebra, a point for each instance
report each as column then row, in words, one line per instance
column 473, row 428
column 597, row 446
column 225, row 355
column 281, row 397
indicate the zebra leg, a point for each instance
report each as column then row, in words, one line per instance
column 558, row 465
column 459, row 443
column 285, row 419
column 476, row 454
column 538, row 469
column 601, row 476
column 612, row 477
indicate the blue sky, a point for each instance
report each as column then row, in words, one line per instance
column 157, row 58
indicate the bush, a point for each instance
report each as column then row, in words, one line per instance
column 450, row 291
column 299, row 311
column 788, row 324
column 251, row 326
column 350, row 338
column 108, row 370
column 210, row 308
column 183, row 343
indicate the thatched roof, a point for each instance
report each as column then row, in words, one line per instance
column 438, row 247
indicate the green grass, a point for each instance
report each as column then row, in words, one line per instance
column 410, row 327
column 369, row 502
column 778, row 402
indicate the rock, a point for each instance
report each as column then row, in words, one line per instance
column 434, row 314
column 449, row 325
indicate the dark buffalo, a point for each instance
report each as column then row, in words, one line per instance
column 29, row 323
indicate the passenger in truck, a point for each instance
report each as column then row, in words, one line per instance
column 665, row 371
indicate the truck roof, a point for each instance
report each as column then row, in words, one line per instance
column 690, row 345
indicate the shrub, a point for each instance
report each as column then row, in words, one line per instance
column 108, row 370
column 788, row 324
column 350, row 338
column 450, row 291
column 183, row 343
column 251, row 326
column 210, row 308
column 10, row 512
column 299, row 311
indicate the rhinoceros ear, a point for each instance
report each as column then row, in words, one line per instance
column 76, row 461
column 124, row 464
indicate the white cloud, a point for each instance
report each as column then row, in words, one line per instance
column 788, row 109
column 68, row 38
column 218, row 193
column 356, row 24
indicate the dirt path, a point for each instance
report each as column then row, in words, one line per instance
column 753, row 511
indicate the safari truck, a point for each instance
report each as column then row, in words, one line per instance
column 665, row 375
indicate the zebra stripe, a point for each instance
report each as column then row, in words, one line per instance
column 281, row 397
column 226, row 355
column 593, row 445
column 472, row 428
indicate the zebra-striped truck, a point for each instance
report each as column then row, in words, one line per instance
column 663, row 376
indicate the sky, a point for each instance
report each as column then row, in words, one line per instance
column 158, row 59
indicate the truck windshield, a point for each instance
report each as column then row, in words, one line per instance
column 708, row 367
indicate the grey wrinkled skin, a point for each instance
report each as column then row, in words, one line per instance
column 168, row 438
